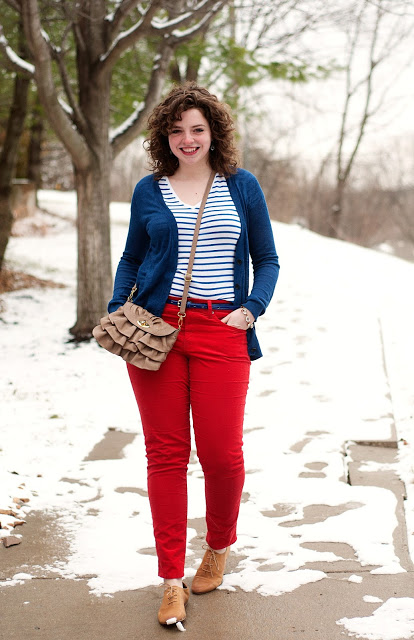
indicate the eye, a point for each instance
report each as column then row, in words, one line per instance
column 174, row 131
column 199, row 130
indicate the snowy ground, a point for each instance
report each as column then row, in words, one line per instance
column 338, row 367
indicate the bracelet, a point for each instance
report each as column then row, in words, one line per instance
column 247, row 317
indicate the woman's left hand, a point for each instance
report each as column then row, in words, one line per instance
column 237, row 319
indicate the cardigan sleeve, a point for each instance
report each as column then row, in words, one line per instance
column 262, row 249
column 135, row 249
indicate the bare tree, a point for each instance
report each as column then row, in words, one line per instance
column 34, row 161
column 101, row 32
column 377, row 28
column 251, row 40
column 8, row 155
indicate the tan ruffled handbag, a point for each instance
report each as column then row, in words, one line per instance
column 134, row 333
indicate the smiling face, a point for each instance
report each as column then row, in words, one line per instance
column 190, row 138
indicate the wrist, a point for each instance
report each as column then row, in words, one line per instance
column 248, row 317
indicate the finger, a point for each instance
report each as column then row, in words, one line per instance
column 237, row 326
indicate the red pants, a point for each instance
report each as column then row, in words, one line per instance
column 207, row 370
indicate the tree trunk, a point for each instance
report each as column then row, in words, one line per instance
column 8, row 158
column 34, row 163
column 83, row 123
column 93, row 191
column 336, row 211
column 6, row 221
column 94, row 263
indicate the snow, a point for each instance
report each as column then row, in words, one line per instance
column 45, row 36
column 385, row 247
column 110, row 16
column 66, row 108
column 394, row 620
column 128, row 122
column 338, row 367
column 371, row 599
column 167, row 24
column 15, row 59
column 119, row 38
column 187, row 33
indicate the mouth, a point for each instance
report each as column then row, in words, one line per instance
column 189, row 151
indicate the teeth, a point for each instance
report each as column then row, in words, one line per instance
column 189, row 150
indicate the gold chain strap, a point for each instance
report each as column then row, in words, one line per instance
column 131, row 295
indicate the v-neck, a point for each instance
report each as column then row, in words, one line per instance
column 185, row 204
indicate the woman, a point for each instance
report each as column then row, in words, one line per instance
column 191, row 134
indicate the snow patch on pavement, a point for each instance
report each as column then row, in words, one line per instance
column 336, row 368
column 394, row 620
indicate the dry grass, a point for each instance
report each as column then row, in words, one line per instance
column 15, row 280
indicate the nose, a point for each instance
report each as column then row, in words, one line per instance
column 187, row 137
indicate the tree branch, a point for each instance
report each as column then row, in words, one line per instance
column 13, row 61
column 404, row 13
column 126, row 39
column 76, row 113
column 348, row 95
column 136, row 123
column 121, row 13
column 205, row 10
column 366, row 114
column 72, row 16
column 14, row 4
column 60, row 121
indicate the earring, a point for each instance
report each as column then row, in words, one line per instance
column 171, row 152
column 212, row 147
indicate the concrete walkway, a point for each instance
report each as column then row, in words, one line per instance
column 48, row 607
column 322, row 420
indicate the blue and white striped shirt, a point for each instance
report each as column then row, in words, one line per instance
column 213, row 269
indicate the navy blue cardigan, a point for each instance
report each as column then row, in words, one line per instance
column 151, row 251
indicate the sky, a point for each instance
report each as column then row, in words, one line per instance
column 304, row 119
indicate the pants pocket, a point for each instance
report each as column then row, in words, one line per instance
column 217, row 317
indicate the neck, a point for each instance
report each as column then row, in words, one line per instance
column 193, row 173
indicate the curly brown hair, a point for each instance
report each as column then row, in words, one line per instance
column 223, row 158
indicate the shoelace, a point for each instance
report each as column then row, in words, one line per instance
column 208, row 563
column 172, row 593
column 172, row 597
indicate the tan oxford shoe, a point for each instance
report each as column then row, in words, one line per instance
column 172, row 609
column 210, row 573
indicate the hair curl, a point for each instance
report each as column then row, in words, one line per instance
column 223, row 159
